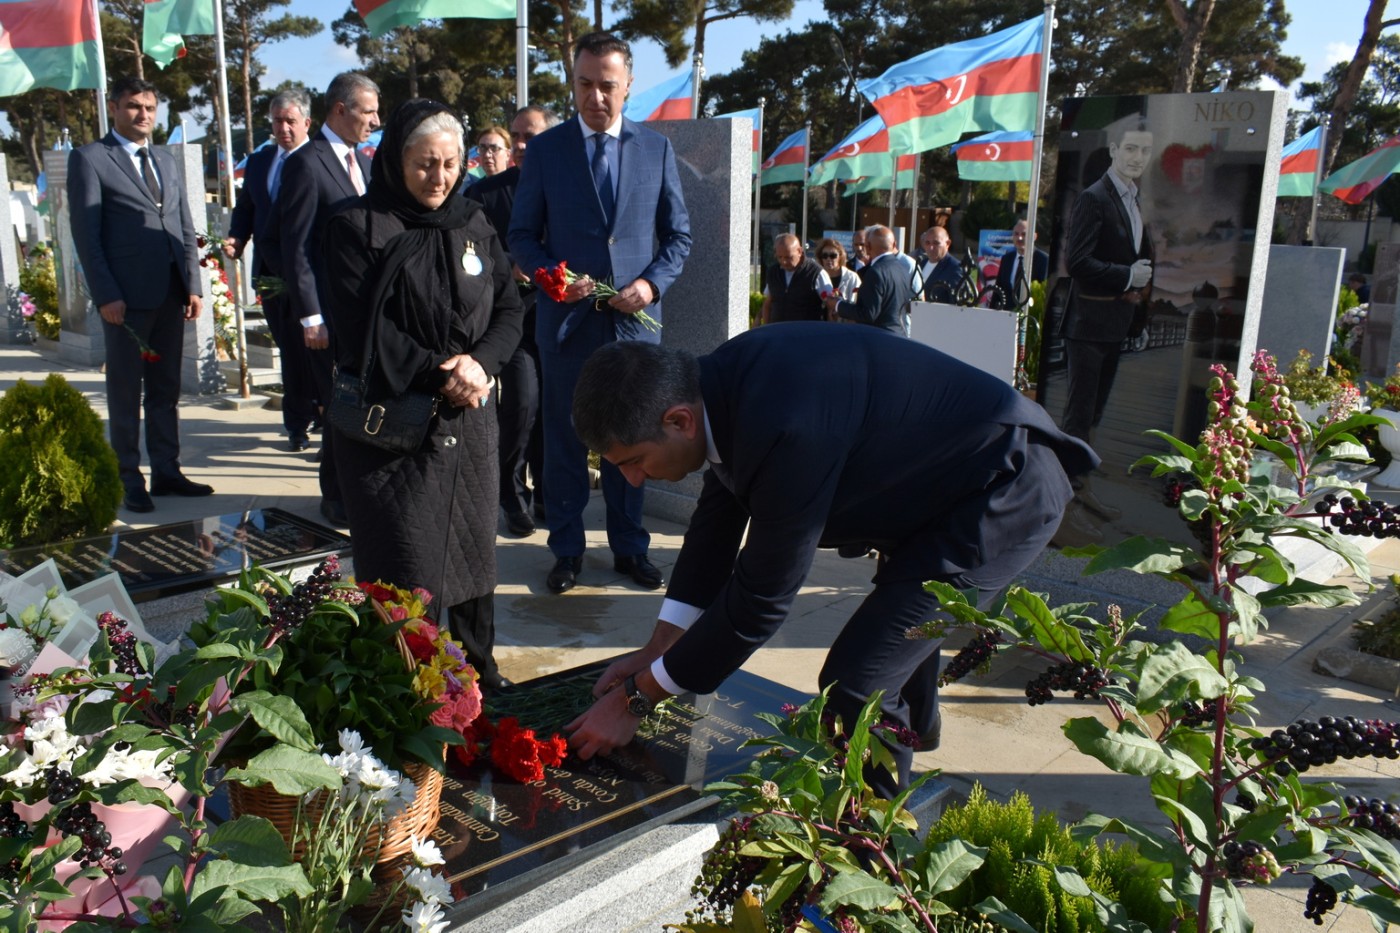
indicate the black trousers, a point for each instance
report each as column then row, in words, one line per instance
column 322, row 366
column 1092, row 366
column 134, row 384
column 473, row 623
column 298, row 386
column 522, row 431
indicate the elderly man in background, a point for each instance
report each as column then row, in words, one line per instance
column 886, row 286
column 796, row 284
column 940, row 272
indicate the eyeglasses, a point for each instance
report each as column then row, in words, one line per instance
column 486, row 149
column 829, row 255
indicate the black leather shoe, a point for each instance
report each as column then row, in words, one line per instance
column 298, row 442
column 853, row 550
column 519, row 524
column 334, row 512
column 493, row 681
column 929, row 740
column 564, row 575
column 642, row 571
column 138, row 500
column 179, row 485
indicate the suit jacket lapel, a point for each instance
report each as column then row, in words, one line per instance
column 123, row 161
column 335, row 168
column 1117, row 199
column 578, row 142
column 626, row 148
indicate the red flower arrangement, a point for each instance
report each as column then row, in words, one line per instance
column 513, row 749
column 147, row 354
column 554, row 282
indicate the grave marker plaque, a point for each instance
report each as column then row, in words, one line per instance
column 184, row 556
column 501, row 837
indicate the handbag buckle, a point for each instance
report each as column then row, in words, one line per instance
column 374, row 420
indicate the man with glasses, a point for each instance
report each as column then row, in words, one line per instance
column 796, row 285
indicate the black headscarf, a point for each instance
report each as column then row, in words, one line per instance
column 415, row 266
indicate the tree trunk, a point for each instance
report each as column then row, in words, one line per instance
column 598, row 15
column 700, row 23
column 1192, row 23
column 1351, row 81
column 245, row 32
column 412, row 68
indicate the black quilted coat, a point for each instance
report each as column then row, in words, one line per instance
column 429, row 519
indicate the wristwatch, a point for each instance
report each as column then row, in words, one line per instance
column 638, row 703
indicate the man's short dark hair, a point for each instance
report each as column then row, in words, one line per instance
column 551, row 119
column 345, row 86
column 604, row 43
column 124, row 87
column 626, row 387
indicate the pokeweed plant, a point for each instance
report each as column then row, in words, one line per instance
column 1237, row 809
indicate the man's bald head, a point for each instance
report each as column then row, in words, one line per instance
column 879, row 239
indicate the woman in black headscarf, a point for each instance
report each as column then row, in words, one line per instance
column 449, row 319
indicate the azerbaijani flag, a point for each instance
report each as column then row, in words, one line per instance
column 369, row 146
column 381, row 16
column 669, row 100
column 864, row 152
column 1352, row 183
column 788, row 162
column 904, row 178
column 999, row 156
column 474, row 169
column 747, row 115
column 164, row 23
column 47, row 43
column 1297, row 177
column 41, row 184
column 987, row 83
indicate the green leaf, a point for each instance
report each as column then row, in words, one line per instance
column 1127, row 751
column 1307, row 593
column 257, row 882
column 290, row 770
column 1191, row 616
column 1143, row 554
column 1382, row 908
column 858, row 890
column 950, row 863
column 251, row 840
column 997, row 912
column 1249, row 615
column 1053, row 634
column 221, row 907
column 44, row 862
column 1182, row 447
column 1174, row 673
column 218, row 650
column 89, row 717
column 279, row 715
column 785, row 885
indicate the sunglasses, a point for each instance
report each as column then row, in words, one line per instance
column 485, row 149
column 829, row 255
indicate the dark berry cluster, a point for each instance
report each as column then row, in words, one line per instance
column 1306, row 744
column 1245, row 801
column 725, row 874
column 122, row 643
column 1247, row 861
column 1083, row 680
column 290, row 611
column 1321, row 898
column 77, row 819
column 1195, row 715
column 1377, row 815
column 972, row 656
column 12, row 826
column 1369, row 519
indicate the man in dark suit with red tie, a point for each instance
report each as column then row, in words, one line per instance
column 952, row 474
column 135, row 239
column 290, row 113
column 324, row 176
column 601, row 193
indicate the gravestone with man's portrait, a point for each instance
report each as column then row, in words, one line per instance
column 1159, row 246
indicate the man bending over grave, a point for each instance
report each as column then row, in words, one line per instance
column 949, row 472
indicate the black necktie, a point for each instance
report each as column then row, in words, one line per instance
column 602, row 176
column 148, row 174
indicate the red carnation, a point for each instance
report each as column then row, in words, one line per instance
column 421, row 648
column 553, row 281
column 553, row 751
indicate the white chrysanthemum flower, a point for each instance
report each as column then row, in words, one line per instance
column 425, row 918
column 431, row 888
column 61, row 609
column 351, row 742
column 426, row 853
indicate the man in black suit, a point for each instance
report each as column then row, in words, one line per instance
column 886, row 286
column 522, row 433
column 796, row 284
column 1012, row 289
column 325, row 175
column 952, row 474
column 1110, row 267
column 290, row 113
column 136, row 241
column 940, row 272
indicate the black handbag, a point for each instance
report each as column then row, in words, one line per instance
column 396, row 423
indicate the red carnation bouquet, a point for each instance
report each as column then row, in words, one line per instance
column 512, row 748
column 554, row 281
column 147, row 354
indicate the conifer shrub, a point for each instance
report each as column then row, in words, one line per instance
column 61, row 478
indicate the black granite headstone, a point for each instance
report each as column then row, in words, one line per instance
column 500, row 836
column 184, row 556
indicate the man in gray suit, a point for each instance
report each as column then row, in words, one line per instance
column 136, row 242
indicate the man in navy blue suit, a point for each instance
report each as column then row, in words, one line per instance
column 600, row 193
column 324, row 176
column 290, row 113
column 1012, row 289
column 952, row 474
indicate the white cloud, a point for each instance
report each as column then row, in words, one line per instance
column 1339, row 52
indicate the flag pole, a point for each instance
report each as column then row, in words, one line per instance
column 1037, row 150
column 696, row 74
column 522, row 54
column 101, row 73
column 806, row 164
column 894, row 185
column 226, row 140
column 913, row 203
column 757, row 188
column 1317, row 177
